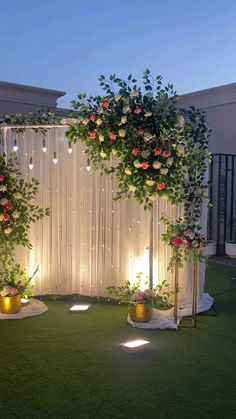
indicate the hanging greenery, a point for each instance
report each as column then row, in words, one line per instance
column 20, row 120
column 141, row 131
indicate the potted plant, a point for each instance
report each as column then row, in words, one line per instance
column 230, row 249
column 141, row 302
column 17, row 212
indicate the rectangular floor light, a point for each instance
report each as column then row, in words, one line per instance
column 134, row 345
column 80, row 308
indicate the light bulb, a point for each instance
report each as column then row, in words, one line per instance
column 31, row 163
column 54, row 158
column 44, row 148
column 15, row 146
column 69, row 148
column 88, row 166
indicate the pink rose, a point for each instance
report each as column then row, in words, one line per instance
column 135, row 152
column 9, row 206
column 145, row 165
column 112, row 136
column 13, row 291
column 93, row 117
column 161, row 185
column 157, row 151
column 166, row 153
column 105, row 104
column 137, row 110
column 140, row 131
column 178, row 241
column 6, row 217
column 92, row 135
column 2, row 178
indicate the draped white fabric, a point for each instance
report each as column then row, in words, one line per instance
column 90, row 241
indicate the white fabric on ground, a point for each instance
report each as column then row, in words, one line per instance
column 161, row 319
column 204, row 304
column 33, row 308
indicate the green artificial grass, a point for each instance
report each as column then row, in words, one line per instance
column 64, row 365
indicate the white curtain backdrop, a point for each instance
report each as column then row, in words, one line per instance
column 89, row 241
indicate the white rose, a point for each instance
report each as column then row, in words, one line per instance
column 85, row 121
column 3, row 201
column 3, row 188
column 103, row 154
column 147, row 114
column 153, row 197
column 13, row 175
column 164, row 171
column 100, row 110
column 157, row 164
column 169, row 161
column 150, row 182
column 16, row 214
column 17, row 195
column 117, row 98
column 128, row 171
column 122, row 133
column 125, row 109
column 7, row 231
column 137, row 164
column 134, row 93
column 180, row 149
column 123, row 120
column 132, row 188
column 114, row 151
column 99, row 121
column 147, row 136
column 101, row 137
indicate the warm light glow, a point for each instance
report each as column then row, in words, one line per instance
column 15, row 146
column 141, row 265
column 24, row 300
column 54, row 158
column 80, row 307
column 31, row 163
column 88, row 165
column 69, row 148
column 133, row 345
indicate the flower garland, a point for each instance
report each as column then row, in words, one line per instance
column 17, row 212
column 142, row 132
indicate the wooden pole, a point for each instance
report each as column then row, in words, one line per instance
column 150, row 248
column 176, row 287
column 195, row 291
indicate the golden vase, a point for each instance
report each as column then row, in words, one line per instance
column 10, row 305
column 140, row 312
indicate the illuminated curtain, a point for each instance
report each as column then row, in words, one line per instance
column 90, row 241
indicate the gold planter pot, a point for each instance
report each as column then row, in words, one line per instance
column 10, row 305
column 140, row 312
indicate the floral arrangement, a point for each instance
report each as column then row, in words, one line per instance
column 15, row 281
column 142, row 132
column 17, row 212
column 159, row 297
column 41, row 117
column 186, row 242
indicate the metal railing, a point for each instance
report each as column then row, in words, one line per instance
column 222, row 194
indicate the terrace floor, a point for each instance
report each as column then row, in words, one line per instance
column 63, row 365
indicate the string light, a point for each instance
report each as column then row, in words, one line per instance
column 69, row 148
column 31, row 163
column 88, row 165
column 15, row 146
column 44, row 148
column 54, row 158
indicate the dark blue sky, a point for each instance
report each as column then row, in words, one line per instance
column 65, row 45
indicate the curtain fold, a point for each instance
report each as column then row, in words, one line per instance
column 89, row 241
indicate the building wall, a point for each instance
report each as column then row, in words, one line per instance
column 219, row 103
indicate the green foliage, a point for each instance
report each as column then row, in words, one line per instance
column 185, row 240
column 40, row 117
column 17, row 212
column 135, row 135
